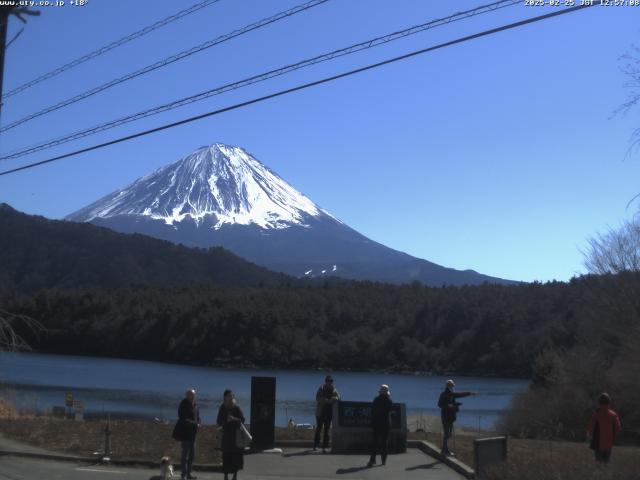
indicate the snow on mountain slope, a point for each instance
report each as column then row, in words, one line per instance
column 221, row 181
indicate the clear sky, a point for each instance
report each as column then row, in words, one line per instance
column 501, row 155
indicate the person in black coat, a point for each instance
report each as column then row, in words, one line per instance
column 230, row 417
column 381, row 424
column 186, row 430
column 448, row 413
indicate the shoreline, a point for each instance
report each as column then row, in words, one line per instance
column 321, row 370
column 416, row 423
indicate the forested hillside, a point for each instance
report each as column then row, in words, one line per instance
column 134, row 296
column 39, row 253
column 485, row 330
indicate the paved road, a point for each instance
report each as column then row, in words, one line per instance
column 293, row 463
column 9, row 445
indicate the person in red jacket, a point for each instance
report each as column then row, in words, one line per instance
column 603, row 428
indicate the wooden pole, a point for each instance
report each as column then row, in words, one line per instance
column 4, row 24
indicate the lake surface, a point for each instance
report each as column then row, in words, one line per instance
column 140, row 389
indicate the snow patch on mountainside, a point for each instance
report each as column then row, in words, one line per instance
column 218, row 181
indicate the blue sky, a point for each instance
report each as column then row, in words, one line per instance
column 501, row 155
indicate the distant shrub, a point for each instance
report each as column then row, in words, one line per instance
column 7, row 410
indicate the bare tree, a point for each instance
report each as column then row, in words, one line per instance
column 615, row 251
column 630, row 66
column 9, row 338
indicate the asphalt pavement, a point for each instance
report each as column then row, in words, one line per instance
column 292, row 463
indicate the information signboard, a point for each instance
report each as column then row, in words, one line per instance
column 352, row 433
column 358, row 415
column 488, row 452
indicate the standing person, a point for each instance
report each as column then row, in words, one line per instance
column 603, row 428
column 230, row 417
column 326, row 396
column 186, row 430
column 381, row 424
column 448, row 413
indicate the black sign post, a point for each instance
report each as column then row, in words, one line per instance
column 263, row 412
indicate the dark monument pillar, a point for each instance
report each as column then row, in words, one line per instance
column 263, row 411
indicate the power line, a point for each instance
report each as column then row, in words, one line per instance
column 111, row 46
column 304, row 86
column 168, row 61
column 262, row 77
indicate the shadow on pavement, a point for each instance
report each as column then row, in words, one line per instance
column 342, row 471
column 426, row 466
column 300, row 454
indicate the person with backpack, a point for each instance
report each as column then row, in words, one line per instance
column 448, row 413
column 326, row 396
column 185, row 431
column 603, row 428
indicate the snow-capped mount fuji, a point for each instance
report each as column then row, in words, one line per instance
column 221, row 182
column 221, row 195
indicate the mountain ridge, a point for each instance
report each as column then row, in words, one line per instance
column 36, row 253
column 223, row 196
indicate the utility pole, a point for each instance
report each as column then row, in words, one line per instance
column 4, row 24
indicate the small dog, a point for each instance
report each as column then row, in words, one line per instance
column 166, row 469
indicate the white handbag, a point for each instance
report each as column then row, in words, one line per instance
column 243, row 437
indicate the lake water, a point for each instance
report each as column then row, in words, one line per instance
column 139, row 389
